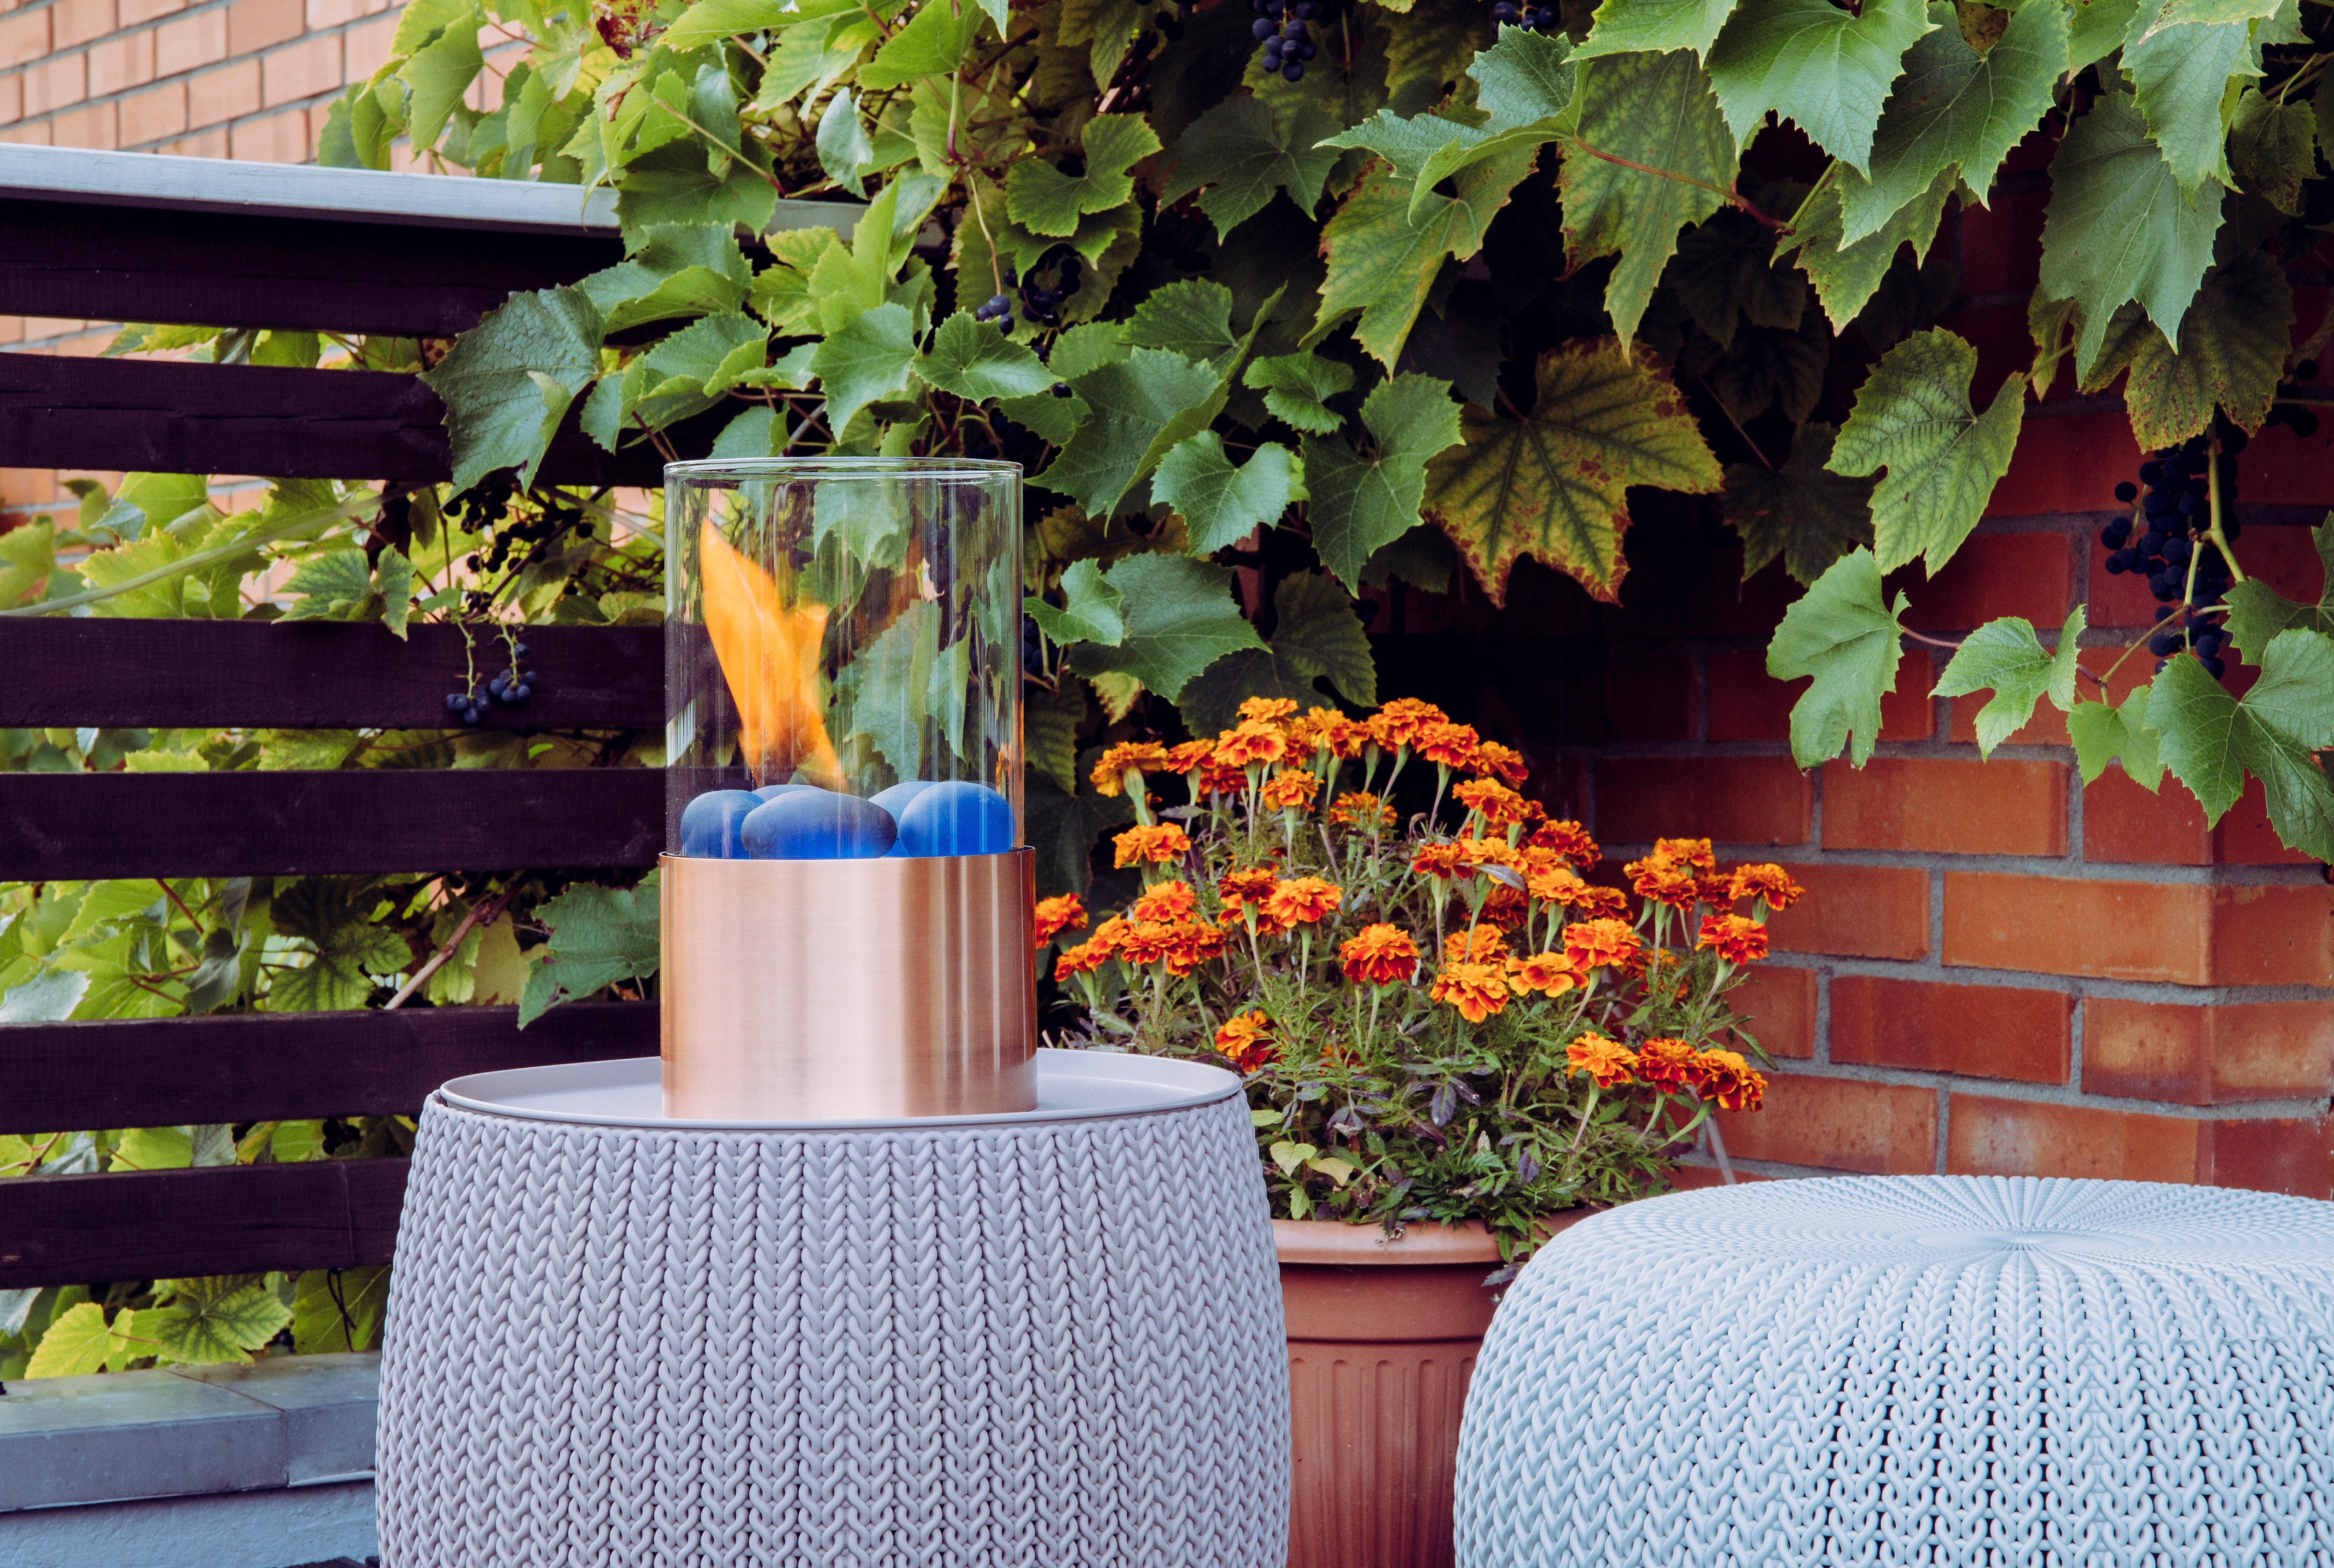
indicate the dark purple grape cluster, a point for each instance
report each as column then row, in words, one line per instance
column 1285, row 30
column 1535, row 18
column 2303, row 421
column 998, row 308
column 2167, row 538
column 1041, row 306
column 511, row 688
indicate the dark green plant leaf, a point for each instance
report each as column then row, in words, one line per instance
column 1045, row 201
column 495, row 413
column 1846, row 279
column 2258, row 612
column 1801, row 512
column 1091, row 614
column 1628, row 26
column 1049, row 728
column 867, row 360
column 336, row 1310
column 1219, row 503
column 1180, row 617
column 333, row 916
column 1844, row 632
column 1914, row 417
column 2234, row 341
column 1063, row 826
column 2273, row 147
column 1297, row 387
column 973, row 360
column 2211, row 740
column 1316, row 634
column 2180, row 79
column 1826, row 69
column 1131, row 403
column 1362, row 502
column 1243, row 150
column 1724, row 275
column 1193, row 318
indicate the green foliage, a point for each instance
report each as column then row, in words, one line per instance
column 2105, row 732
column 1363, row 500
column 1844, row 634
column 2211, row 740
column 1222, row 504
column 2006, row 657
column 598, row 937
column 1801, row 512
column 508, row 383
column 1913, row 418
column 1180, row 618
column 2258, row 612
column 1825, row 69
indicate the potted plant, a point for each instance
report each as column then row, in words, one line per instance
column 1455, row 1044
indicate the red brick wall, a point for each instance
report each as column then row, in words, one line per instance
column 1998, row 970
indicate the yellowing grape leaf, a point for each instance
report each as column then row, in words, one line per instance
column 2234, row 341
column 1553, row 485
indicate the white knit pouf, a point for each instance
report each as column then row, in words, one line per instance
column 1047, row 1339
column 1943, row 1371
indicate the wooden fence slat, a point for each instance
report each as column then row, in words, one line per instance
column 87, row 826
column 66, row 670
column 223, row 1219
column 174, row 418
column 121, row 264
column 287, row 1066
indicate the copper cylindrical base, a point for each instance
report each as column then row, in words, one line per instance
column 845, row 990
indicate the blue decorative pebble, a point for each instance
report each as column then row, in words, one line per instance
column 957, row 819
column 815, row 825
column 896, row 799
column 709, row 824
column 772, row 792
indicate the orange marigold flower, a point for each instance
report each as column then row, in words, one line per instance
column 1223, row 780
column 1550, row 974
column 1602, row 904
column 1077, row 960
column 1246, row 1039
column 1594, row 944
column 1302, row 901
column 1713, row 889
column 1694, row 853
column 1252, row 744
column 1608, row 1062
column 1291, row 790
column 1357, row 809
column 1478, row 852
column 1246, row 885
column 1450, row 745
column 1502, row 763
column 1146, row 942
column 1399, row 722
column 1555, row 885
column 1381, row 955
column 1661, row 881
column 1504, row 907
column 1268, row 708
column 1168, row 901
column 1665, row 1066
column 1110, row 934
column 1062, row 912
column 1567, row 839
column 1340, row 735
column 1110, row 770
column 1493, row 801
column 1726, row 1080
column 1190, row 757
column 1738, row 938
column 1483, row 945
column 1769, row 881
column 1159, row 846
column 1436, row 861
column 1192, row 943
column 1477, row 990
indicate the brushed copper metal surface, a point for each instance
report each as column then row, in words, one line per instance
column 820, row 990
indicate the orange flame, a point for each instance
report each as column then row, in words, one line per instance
column 769, row 654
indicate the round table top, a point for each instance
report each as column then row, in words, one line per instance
column 1072, row 1085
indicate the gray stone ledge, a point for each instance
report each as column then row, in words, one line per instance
column 117, row 1436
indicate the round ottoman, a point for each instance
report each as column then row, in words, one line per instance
column 1913, row 1370
column 1044, row 1338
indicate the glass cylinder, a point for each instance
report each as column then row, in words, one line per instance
column 846, row 899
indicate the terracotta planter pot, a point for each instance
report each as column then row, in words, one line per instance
column 1382, row 1337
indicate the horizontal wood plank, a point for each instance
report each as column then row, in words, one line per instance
column 78, row 826
column 287, row 1066
column 69, row 671
column 224, row 1219
column 174, row 418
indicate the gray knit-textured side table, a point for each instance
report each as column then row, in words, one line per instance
column 1050, row 1337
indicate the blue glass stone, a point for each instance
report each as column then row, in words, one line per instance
column 811, row 825
column 957, row 819
column 896, row 799
column 709, row 824
column 772, row 792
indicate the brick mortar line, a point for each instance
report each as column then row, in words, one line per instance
column 2069, row 867
column 2288, row 1108
column 2172, row 992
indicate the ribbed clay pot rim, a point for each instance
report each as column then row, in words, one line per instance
column 1330, row 1241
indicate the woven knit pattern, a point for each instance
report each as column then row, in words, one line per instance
column 1052, row 1342
column 1940, row 1370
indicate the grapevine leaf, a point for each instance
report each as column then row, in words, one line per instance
column 843, row 146
column 336, row 1310
column 673, row 184
column 1044, row 200
column 1212, row 702
column 1316, row 635
column 2180, row 82
column 1658, row 111
column 1193, row 318
column 2119, row 228
column 2258, row 612
column 1724, row 277
column 1426, row 52
column 1629, row 27
column 868, row 359
column 933, row 44
column 215, row 1322
column 2184, row 12
column 1383, row 260
column 48, row 998
column 973, row 361
column 1843, row 633
column 1846, row 276
column 330, row 585
column 1913, row 416
column 1243, row 150
column 2211, row 740
column 1361, row 502
column 77, row 1344
column 494, row 407
column 333, row 916
column 2273, row 147
column 1802, row 512
column 1091, row 614
column 599, row 936
column 2006, row 657
column 2096, row 29
column 1524, row 77
column 1049, row 723
column 2234, row 341
column 2104, row 734
column 394, row 579
column 1181, row 618
column 680, row 270
column 1131, row 403
column 1554, row 485
column 710, row 21
column 1063, row 826
column 1807, row 61
column 1221, row 504
column 1953, row 110
column 439, row 74
column 1298, row 388
column 1406, row 145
